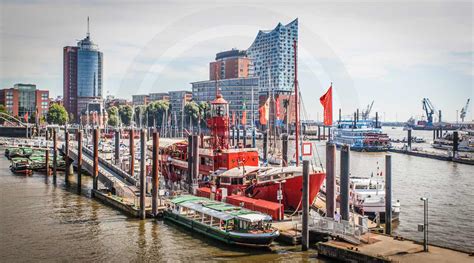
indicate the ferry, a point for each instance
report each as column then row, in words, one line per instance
column 361, row 135
column 227, row 223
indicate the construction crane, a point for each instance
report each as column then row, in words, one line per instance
column 366, row 113
column 429, row 110
column 464, row 110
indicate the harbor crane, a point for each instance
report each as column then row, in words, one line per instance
column 464, row 110
column 366, row 113
column 430, row 111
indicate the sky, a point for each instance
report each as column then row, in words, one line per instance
column 392, row 52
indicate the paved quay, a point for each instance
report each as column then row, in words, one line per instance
column 382, row 248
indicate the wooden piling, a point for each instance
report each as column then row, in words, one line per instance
column 455, row 143
column 233, row 135
column 117, row 146
column 388, row 194
column 254, row 138
column 66, row 156
column 189, row 177
column 265, row 146
column 55, row 155
column 238, row 137
column 154, row 174
column 47, row 153
column 195, row 172
column 285, row 149
column 132, row 152
column 305, row 201
column 344, row 182
column 409, row 139
column 142, row 173
column 95, row 166
column 330, row 179
column 79, row 161
column 245, row 138
column 319, row 133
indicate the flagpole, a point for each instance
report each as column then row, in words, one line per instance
column 296, row 106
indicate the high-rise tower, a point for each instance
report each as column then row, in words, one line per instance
column 82, row 75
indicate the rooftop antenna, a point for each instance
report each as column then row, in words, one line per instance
column 88, row 33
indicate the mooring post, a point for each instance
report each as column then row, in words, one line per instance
column 195, row 173
column 254, row 138
column 66, row 156
column 117, row 146
column 55, row 155
column 245, row 137
column 434, row 135
column 388, row 194
column 142, row 173
column 305, row 201
column 330, row 179
column 189, row 178
column 79, row 161
column 132, row 152
column 324, row 132
column 285, row 149
column 319, row 133
column 455, row 143
column 47, row 153
column 376, row 119
column 344, row 205
column 233, row 135
column 265, row 145
column 409, row 139
column 238, row 137
column 154, row 174
column 95, row 166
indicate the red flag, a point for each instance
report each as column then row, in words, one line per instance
column 26, row 116
column 277, row 108
column 264, row 112
column 326, row 101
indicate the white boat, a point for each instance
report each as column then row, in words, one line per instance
column 369, row 197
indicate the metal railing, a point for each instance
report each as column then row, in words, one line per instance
column 345, row 229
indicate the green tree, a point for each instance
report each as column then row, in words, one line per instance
column 3, row 109
column 126, row 114
column 155, row 112
column 139, row 115
column 113, row 113
column 204, row 113
column 57, row 114
column 191, row 112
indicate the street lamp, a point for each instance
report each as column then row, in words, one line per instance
column 424, row 227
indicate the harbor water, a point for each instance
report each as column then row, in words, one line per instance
column 40, row 222
column 43, row 222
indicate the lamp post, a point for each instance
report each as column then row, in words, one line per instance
column 425, row 224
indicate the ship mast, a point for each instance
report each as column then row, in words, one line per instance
column 297, row 117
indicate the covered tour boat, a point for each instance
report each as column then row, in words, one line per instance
column 227, row 223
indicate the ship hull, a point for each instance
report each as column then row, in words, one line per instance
column 292, row 191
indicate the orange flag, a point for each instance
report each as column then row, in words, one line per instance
column 26, row 117
column 233, row 118
column 244, row 117
column 326, row 101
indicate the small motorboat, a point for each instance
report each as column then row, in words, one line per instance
column 20, row 165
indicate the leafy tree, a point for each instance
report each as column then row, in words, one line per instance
column 126, row 114
column 113, row 113
column 191, row 111
column 156, row 110
column 139, row 114
column 3, row 109
column 57, row 114
column 204, row 113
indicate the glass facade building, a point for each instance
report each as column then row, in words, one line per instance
column 82, row 76
column 272, row 57
column 236, row 92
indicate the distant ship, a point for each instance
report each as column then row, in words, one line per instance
column 361, row 135
column 465, row 143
